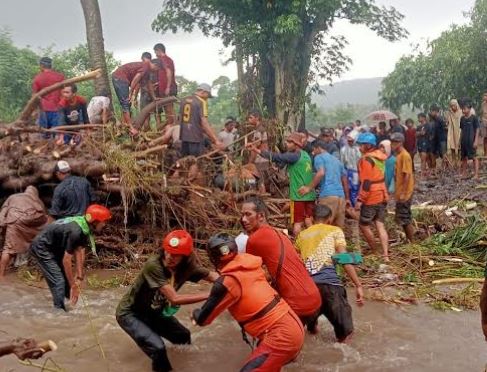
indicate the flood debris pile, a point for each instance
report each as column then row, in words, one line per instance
column 148, row 193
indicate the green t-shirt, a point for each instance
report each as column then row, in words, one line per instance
column 301, row 174
column 144, row 295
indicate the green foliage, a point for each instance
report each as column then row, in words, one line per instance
column 18, row 66
column 283, row 45
column 452, row 66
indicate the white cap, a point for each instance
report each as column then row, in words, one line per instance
column 241, row 241
column 62, row 166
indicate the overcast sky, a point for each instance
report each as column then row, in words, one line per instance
column 127, row 31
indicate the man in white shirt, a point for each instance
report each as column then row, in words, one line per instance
column 99, row 109
column 226, row 135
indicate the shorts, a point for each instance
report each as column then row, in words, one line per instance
column 279, row 345
column 122, row 91
column 467, row 151
column 483, row 129
column 337, row 206
column 424, row 146
column 335, row 306
column 404, row 216
column 300, row 210
column 440, row 149
column 372, row 213
column 192, row 148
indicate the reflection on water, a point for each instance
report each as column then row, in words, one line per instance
column 387, row 338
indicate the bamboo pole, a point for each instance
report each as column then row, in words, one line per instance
column 36, row 98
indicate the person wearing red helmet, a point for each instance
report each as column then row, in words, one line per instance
column 146, row 312
column 56, row 245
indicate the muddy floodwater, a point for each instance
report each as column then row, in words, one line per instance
column 387, row 337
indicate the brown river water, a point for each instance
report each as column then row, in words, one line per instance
column 387, row 337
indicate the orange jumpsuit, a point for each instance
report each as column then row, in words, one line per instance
column 245, row 292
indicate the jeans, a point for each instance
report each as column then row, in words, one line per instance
column 53, row 271
column 147, row 331
column 122, row 90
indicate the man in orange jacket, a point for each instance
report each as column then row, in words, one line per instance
column 372, row 198
column 243, row 289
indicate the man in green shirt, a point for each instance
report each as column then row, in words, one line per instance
column 300, row 173
column 146, row 312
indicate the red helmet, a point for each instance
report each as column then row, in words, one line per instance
column 178, row 242
column 97, row 212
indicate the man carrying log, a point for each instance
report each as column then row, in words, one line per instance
column 72, row 196
column 243, row 289
column 300, row 173
column 288, row 274
column 193, row 118
column 146, row 312
column 56, row 245
column 22, row 217
column 48, row 117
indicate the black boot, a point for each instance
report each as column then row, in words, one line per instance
column 160, row 362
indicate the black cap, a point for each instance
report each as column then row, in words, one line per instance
column 46, row 62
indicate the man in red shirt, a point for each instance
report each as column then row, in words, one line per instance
column 48, row 117
column 167, row 80
column 72, row 111
column 288, row 274
column 125, row 80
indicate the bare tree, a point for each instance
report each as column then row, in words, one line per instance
column 96, row 46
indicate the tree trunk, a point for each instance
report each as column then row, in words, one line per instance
column 96, row 47
column 291, row 78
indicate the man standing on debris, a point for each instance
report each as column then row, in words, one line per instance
column 193, row 116
column 48, row 117
column 321, row 247
column 72, row 196
column 146, row 312
column 125, row 80
column 372, row 198
column 404, row 185
column 22, row 217
column 288, row 275
column 167, row 81
column 56, row 245
column 300, row 173
column 332, row 178
column 243, row 289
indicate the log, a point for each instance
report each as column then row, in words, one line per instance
column 36, row 98
column 147, row 110
column 142, row 154
column 458, row 280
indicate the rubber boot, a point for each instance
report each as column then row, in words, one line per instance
column 160, row 362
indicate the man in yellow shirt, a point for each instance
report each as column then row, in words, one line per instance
column 404, row 181
column 316, row 245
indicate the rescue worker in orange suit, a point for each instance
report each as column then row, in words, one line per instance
column 146, row 312
column 243, row 289
column 373, row 197
column 288, row 274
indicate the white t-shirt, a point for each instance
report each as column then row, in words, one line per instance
column 241, row 241
column 95, row 108
column 226, row 137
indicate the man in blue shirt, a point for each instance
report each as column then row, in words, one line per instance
column 332, row 178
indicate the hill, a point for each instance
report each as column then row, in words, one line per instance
column 355, row 92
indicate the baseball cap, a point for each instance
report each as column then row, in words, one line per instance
column 206, row 87
column 46, row 62
column 397, row 137
column 62, row 166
